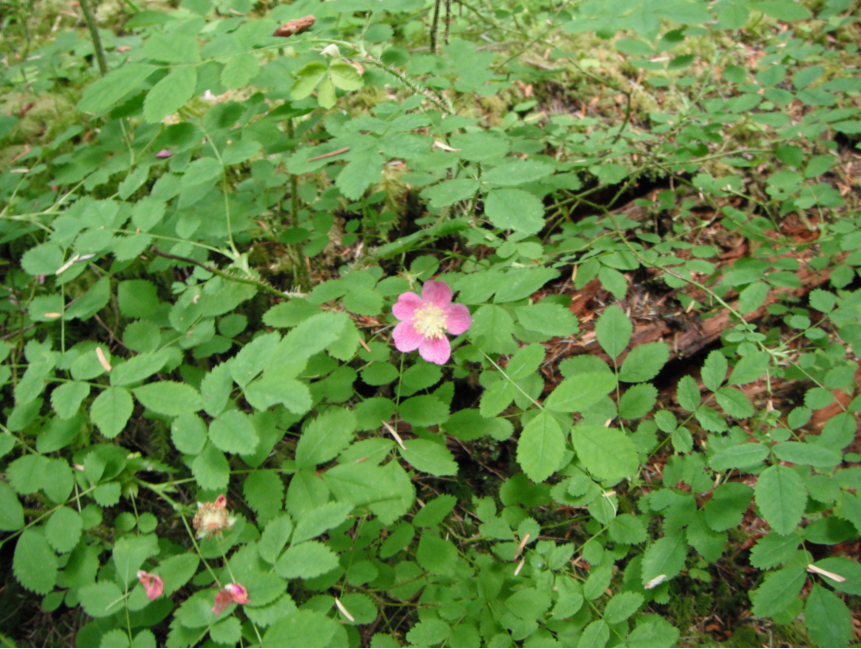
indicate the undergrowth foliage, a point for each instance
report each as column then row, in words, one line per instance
column 209, row 432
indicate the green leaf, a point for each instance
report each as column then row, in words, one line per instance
column 613, row 330
column 778, row 591
column 613, row 281
column 786, row 10
column 654, row 633
column 517, row 172
column 714, row 370
column 827, row 618
column 169, row 398
column 540, row 446
column 103, row 94
column 345, row 76
column 11, row 512
column 44, row 259
column 637, row 401
column 275, row 537
column 101, row 599
column 92, row 302
column 514, row 209
column 469, row 424
column 607, row 452
column 437, row 556
column 239, row 152
column 781, row 497
column 449, row 192
column 177, row 570
column 306, row 561
column 644, row 362
column 688, row 394
column 425, row 410
column 111, row 410
column 34, row 562
column 579, row 392
column 621, row 607
column 773, row 549
column 429, row 457
column 428, row 633
column 170, row 94
column 138, row 368
column 239, row 70
column 311, row 336
column 435, row 511
column 279, row 386
column 172, row 48
column 752, row 297
column 596, row 634
column 210, row 468
column 304, row 628
column 307, row 79
column 847, row 568
column 234, row 432
column 666, row 557
column 749, row 368
column 63, row 529
column 491, row 330
column 66, row 399
column 809, row 454
column 264, row 491
column 742, row 456
column 734, row 403
column 727, row 506
column 129, row 554
column 188, row 434
column 627, row 529
column 325, row 437
column 363, row 170
column 496, row 398
column 319, row 520
column 548, row 319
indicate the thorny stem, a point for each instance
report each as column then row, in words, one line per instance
column 90, row 17
column 300, row 269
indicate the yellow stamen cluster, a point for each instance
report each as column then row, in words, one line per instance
column 430, row 321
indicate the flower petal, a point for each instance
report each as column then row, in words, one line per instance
column 458, row 318
column 407, row 339
column 153, row 584
column 435, row 350
column 437, row 293
column 406, row 306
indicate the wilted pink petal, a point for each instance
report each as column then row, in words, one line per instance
column 232, row 593
column 221, row 501
column 153, row 584
column 164, row 153
column 425, row 320
column 407, row 339
column 406, row 306
column 437, row 293
column 435, row 350
column 459, row 319
column 238, row 593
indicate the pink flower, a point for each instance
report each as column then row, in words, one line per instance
column 164, row 153
column 229, row 594
column 425, row 320
column 153, row 584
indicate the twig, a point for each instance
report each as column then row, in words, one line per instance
column 235, row 278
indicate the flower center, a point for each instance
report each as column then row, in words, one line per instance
column 430, row 321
